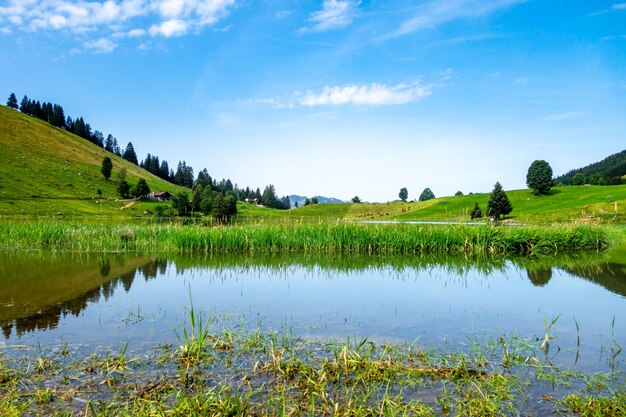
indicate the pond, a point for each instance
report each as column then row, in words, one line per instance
column 90, row 301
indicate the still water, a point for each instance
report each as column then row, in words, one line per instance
column 91, row 301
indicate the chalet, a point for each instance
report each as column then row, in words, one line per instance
column 159, row 196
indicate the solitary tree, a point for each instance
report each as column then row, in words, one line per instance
column 404, row 194
column 458, row 193
column 356, row 199
column 12, row 101
column 539, row 177
column 499, row 204
column 427, row 194
column 476, row 212
column 313, row 200
column 107, row 167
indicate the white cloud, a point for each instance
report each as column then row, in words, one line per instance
column 373, row 95
column 358, row 95
column 521, row 81
column 101, row 46
column 109, row 18
column 436, row 12
column 5, row 31
column 335, row 14
column 619, row 6
column 169, row 28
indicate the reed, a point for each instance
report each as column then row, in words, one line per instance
column 322, row 237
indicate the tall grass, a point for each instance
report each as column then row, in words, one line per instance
column 323, row 237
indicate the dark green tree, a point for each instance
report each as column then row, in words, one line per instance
column 356, row 199
column 129, row 154
column 307, row 202
column 314, row 200
column 224, row 208
column 26, row 105
column 181, row 203
column 404, row 194
column 458, row 193
column 197, row 197
column 539, row 177
column 427, row 194
column 269, row 198
column 12, row 101
column 124, row 189
column 141, row 189
column 476, row 212
column 107, row 167
column 499, row 204
column 596, row 179
column 579, row 179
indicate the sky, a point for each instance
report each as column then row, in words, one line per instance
column 334, row 97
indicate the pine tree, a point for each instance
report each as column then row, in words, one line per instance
column 476, row 213
column 12, row 101
column 130, row 155
column 25, row 106
column 499, row 204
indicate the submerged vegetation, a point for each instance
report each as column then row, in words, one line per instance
column 221, row 370
column 322, row 237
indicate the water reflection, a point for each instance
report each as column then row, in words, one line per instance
column 38, row 290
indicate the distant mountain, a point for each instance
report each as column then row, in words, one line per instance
column 320, row 199
column 611, row 169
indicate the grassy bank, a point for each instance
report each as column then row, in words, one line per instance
column 234, row 372
column 324, row 237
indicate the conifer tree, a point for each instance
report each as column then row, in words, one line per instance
column 499, row 204
column 12, row 101
column 129, row 154
column 476, row 213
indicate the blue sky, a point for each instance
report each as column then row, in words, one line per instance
column 334, row 97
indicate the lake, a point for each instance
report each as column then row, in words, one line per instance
column 89, row 301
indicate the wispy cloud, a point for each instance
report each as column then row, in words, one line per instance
column 436, row 12
column 101, row 46
column 106, row 18
column 521, row 81
column 562, row 116
column 354, row 94
column 619, row 6
column 335, row 14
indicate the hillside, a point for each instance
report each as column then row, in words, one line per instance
column 47, row 171
column 612, row 169
column 574, row 203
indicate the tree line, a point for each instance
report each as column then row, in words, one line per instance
column 183, row 175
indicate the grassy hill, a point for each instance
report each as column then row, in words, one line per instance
column 574, row 203
column 45, row 170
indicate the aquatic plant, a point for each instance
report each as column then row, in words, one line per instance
column 322, row 237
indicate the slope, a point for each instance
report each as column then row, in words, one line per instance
column 46, row 170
